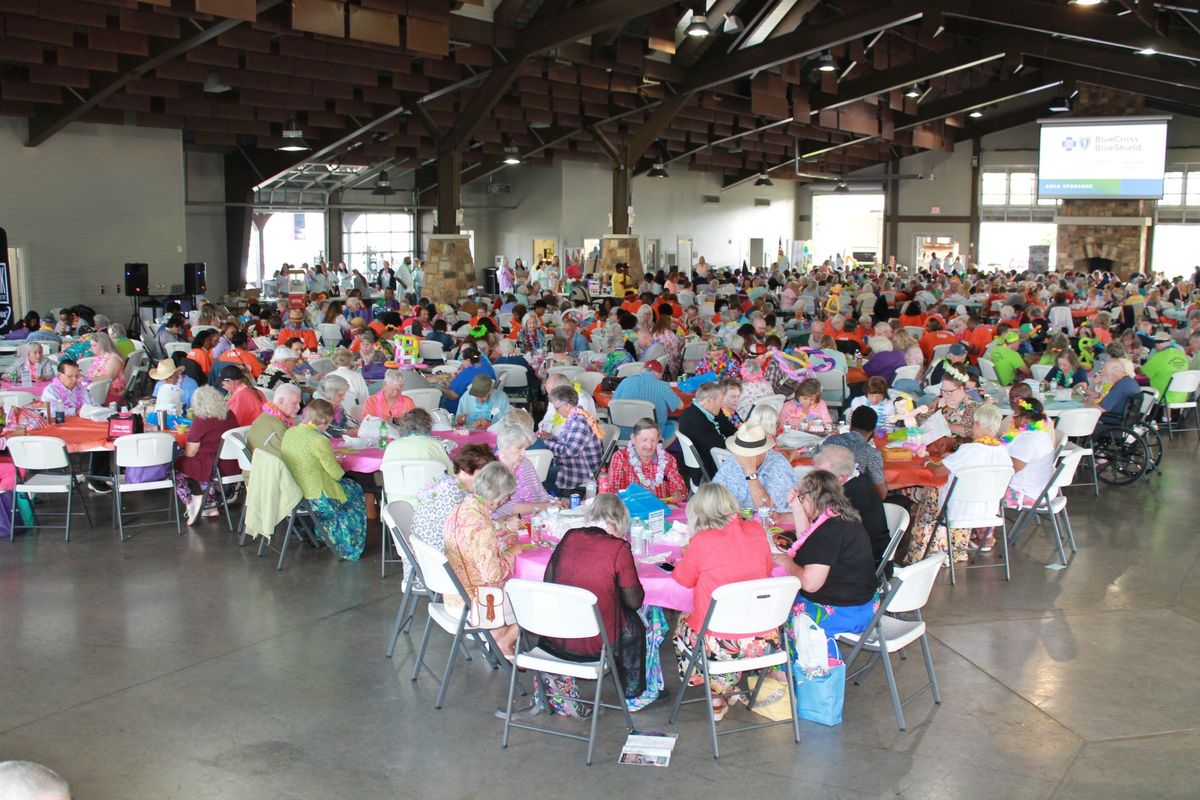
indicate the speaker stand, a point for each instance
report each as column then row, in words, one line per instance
column 135, row 323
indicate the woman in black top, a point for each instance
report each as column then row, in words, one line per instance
column 832, row 557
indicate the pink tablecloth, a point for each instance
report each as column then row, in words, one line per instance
column 34, row 388
column 661, row 588
column 368, row 459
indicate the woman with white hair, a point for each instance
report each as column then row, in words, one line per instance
column 512, row 440
column 390, row 402
column 884, row 360
column 482, row 555
column 194, row 469
column 120, row 340
column 107, row 365
column 333, row 389
column 724, row 548
column 755, row 387
column 336, row 500
column 32, row 367
column 346, row 368
column 415, row 441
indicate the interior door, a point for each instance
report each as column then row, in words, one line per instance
column 756, row 253
column 683, row 254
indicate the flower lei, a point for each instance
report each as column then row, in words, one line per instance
column 270, row 408
column 635, row 462
column 991, row 441
column 1039, row 425
column 590, row 420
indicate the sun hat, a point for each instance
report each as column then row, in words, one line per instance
column 750, row 440
column 164, row 369
column 284, row 354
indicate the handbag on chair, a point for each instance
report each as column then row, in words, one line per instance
column 489, row 609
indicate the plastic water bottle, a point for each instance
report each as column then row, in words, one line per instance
column 589, row 490
column 764, row 517
column 637, row 534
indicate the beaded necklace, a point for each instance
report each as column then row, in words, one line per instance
column 635, row 461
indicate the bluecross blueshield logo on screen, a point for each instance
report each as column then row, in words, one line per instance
column 1071, row 143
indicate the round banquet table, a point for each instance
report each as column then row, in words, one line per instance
column 903, row 474
column 603, row 397
column 368, row 459
column 1083, row 313
column 36, row 388
column 87, row 436
column 856, row 375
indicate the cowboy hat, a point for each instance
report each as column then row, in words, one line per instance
column 164, row 369
column 750, row 440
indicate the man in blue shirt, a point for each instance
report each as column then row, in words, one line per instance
column 1121, row 388
column 649, row 385
column 756, row 475
column 576, row 342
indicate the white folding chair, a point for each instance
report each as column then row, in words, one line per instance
column 397, row 518
column 139, row 346
column 36, row 456
column 329, row 334
column 441, row 581
column 1040, row 371
column 450, row 367
column 504, row 321
column 571, row 373
column 720, row 456
column 739, row 610
column 939, row 353
column 908, row 372
column 630, row 368
column 988, row 370
column 588, row 382
column 541, row 462
column 775, row 401
column 430, row 351
column 98, row 391
column 233, row 441
column 1052, row 503
column 144, row 450
column 983, row 487
column 86, row 363
column 897, row 521
column 1080, row 424
column 428, row 399
column 884, row 635
column 171, row 348
column 691, row 460
column 916, row 331
column 322, row 366
column 627, row 413
column 13, row 398
column 1186, row 382
column 403, row 479
column 833, row 387
column 554, row 611
column 693, row 354
column 514, row 380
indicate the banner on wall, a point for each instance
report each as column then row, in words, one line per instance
column 6, row 301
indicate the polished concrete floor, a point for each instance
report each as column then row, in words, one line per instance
column 173, row 667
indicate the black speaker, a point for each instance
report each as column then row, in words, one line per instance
column 193, row 278
column 137, row 279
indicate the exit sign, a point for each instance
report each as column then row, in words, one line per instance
column 935, row 209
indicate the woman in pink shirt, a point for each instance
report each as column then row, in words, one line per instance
column 389, row 402
column 724, row 549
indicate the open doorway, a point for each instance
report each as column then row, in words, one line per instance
column 928, row 248
column 544, row 249
column 683, row 255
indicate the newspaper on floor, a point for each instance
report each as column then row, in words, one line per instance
column 648, row 749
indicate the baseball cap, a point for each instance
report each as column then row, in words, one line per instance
column 1012, row 336
column 957, row 349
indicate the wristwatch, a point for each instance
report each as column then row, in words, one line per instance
column 753, row 476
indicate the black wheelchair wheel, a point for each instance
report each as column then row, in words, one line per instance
column 1122, row 456
column 1149, row 433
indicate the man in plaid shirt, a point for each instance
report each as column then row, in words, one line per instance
column 577, row 448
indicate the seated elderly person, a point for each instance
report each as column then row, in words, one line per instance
column 65, row 393
column 194, row 483
column 884, row 361
column 551, row 421
column 1116, row 387
column 646, row 463
column 32, row 367
column 483, row 405
column 860, row 492
column 506, row 353
column 336, row 501
column 858, row 441
column 648, row 385
column 597, row 557
column 415, row 442
column 513, row 438
column 577, row 446
column 755, row 387
column 333, row 389
column 831, row 557
column 281, row 369
column 436, row 501
column 756, row 475
column 724, row 549
column 390, row 402
column 346, row 368
column 278, row 414
column 481, row 554
column 707, row 426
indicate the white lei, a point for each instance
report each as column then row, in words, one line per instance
column 635, row 461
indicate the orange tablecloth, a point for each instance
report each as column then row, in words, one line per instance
column 603, row 397
column 85, row 435
column 1082, row 313
column 903, row 474
column 856, row 375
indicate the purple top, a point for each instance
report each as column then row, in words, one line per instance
column 529, row 489
column 885, row 365
column 71, row 399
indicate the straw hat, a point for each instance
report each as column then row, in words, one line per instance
column 750, row 440
column 284, row 354
column 164, row 369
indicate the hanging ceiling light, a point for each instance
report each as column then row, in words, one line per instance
column 214, row 85
column 763, row 178
column 913, row 92
column 698, row 26
column 1060, row 104
column 825, row 62
column 841, row 188
column 293, row 138
column 511, row 155
column 657, row 171
column 1147, row 51
column 976, row 114
column 1086, row 2
column 383, row 185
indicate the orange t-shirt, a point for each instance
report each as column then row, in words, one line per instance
column 979, row 339
column 932, row 339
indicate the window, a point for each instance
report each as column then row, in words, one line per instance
column 1193, row 188
column 1022, row 188
column 994, row 187
column 370, row 239
column 1016, row 188
column 1173, row 189
column 283, row 238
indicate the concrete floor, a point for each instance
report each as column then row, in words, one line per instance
column 187, row 668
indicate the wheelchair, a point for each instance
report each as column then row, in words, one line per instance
column 1128, row 448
